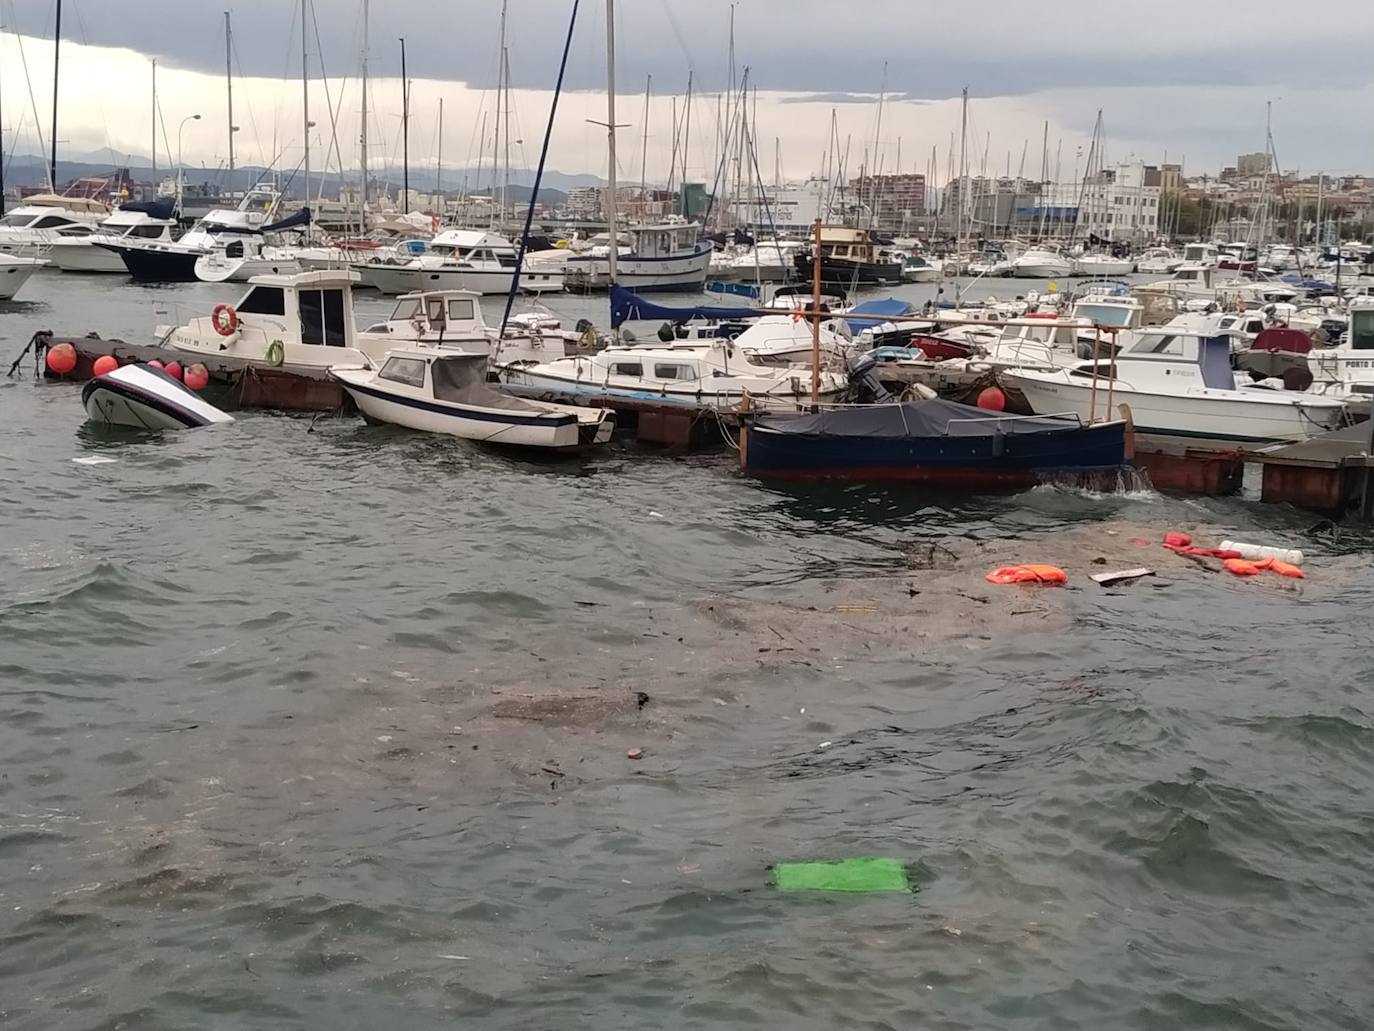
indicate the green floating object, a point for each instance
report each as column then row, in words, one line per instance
column 869, row 874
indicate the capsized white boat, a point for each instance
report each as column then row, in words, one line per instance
column 144, row 398
column 440, row 391
column 1178, row 382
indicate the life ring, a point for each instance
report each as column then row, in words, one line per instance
column 276, row 353
column 225, row 320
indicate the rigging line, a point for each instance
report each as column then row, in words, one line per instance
column 330, row 105
column 538, row 177
column 33, row 102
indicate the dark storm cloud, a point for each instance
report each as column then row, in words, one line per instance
column 997, row 47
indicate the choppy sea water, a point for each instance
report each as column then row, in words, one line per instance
column 326, row 726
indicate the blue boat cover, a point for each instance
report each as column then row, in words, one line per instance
column 627, row 306
column 878, row 311
column 911, row 420
column 163, row 207
column 300, row 218
column 717, row 286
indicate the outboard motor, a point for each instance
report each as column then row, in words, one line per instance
column 863, row 378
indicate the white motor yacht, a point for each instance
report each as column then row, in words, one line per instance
column 917, row 268
column 1178, row 382
column 461, row 259
column 1158, row 261
column 1101, row 264
column 77, row 249
column 1040, row 263
column 31, row 228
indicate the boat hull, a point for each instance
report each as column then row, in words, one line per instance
column 158, row 266
column 1042, row 270
column 555, row 431
column 13, row 276
column 686, row 272
column 82, row 256
column 1205, row 416
column 989, row 462
column 842, row 270
column 214, row 268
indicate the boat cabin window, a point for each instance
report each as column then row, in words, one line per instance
column 434, row 310
column 70, row 231
column 263, row 300
column 406, row 308
column 233, row 249
column 322, row 318
column 1104, row 314
column 506, row 259
column 1166, row 344
column 410, row 371
column 460, row 310
column 51, row 222
column 16, row 220
column 1362, row 330
column 673, row 372
column 145, row 232
column 627, row 369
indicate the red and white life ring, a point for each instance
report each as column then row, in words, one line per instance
column 225, row 320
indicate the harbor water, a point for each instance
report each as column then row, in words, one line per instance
column 311, row 724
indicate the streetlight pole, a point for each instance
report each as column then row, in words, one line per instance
column 180, row 172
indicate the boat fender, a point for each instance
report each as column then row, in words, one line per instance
column 225, row 320
column 276, row 353
column 587, row 341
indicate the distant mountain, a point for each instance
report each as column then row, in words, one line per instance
column 29, row 170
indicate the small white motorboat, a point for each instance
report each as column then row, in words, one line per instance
column 145, row 398
column 441, row 391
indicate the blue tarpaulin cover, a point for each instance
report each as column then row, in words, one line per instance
column 627, row 306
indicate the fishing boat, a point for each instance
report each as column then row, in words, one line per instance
column 298, row 323
column 15, row 272
column 142, row 397
column 849, row 256
column 932, row 441
column 76, row 250
column 436, row 391
column 1178, row 382
column 664, row 256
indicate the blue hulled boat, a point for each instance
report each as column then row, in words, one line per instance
column 936, row 442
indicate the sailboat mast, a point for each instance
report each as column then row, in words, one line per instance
column 305, row 102
column 686, row 138
column 153, row 121
column 501, row 135
column 2, row 164
column 405, row 131
column 439, row 159
column 362, row 136
column 644, row 152
column 963, row 174
column 56, row 53
column 229, row 90
column 505, row 130
column 612, row 252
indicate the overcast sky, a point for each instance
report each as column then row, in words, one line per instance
column 1190, row 78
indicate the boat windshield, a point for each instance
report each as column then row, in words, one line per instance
column 1104, row 314
column 1362, row 330
column 16, row 220
column 406, row 308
